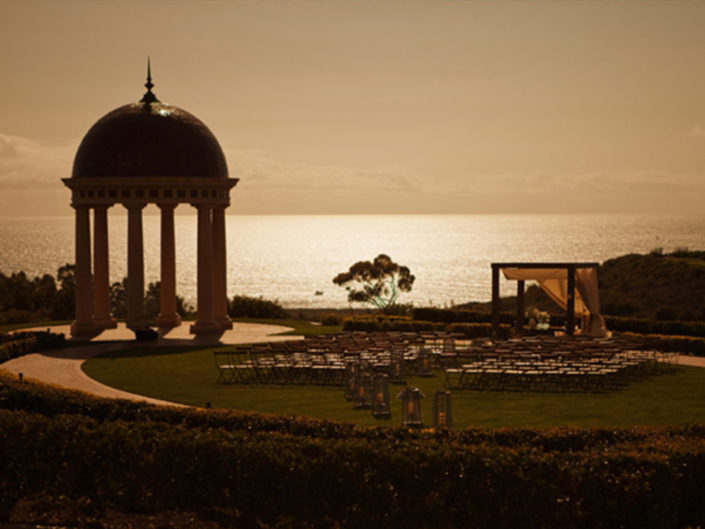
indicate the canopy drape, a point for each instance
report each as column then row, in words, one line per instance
column 554, row 281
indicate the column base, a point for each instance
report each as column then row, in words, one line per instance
column 206, row 328
column 168, row 321
column 84, row 330
column 138, row 324
column 107, row 323
column 225, row 323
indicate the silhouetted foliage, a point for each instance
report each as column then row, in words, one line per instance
column 249, row 307
column 23, row 299
column 152, row 301
column 376, row 282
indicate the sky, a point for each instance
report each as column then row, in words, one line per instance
column 325, row 107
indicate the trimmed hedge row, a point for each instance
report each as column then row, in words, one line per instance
column 254, row 470
column 682, row 328
column 459, row 315
column 13, row 345
column 680, row 344
column 614, row 323
column 382, row 322
column 423, row 479
column 377, row 323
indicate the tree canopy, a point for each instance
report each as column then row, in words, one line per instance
column 24, row 299
column 376, row 282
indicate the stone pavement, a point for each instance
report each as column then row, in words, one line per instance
column 62, row 367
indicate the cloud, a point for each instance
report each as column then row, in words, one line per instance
column 634, row 191
column 29, row 164
column 259, row 170
column 30, row 173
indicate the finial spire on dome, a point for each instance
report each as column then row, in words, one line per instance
column 149, row 96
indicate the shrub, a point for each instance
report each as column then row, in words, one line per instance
column 479, row 330
column 459, row 315
column 262, row 470
column 13, row 345
column 330, row 319
column 249, row 307
column 620, row 324
column 380, row 322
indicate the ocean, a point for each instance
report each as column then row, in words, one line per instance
column 293, row 259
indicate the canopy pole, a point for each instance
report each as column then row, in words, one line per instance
column 570, row 323
column 495, row 302
column 520, row 308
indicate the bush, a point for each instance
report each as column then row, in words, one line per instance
column 642, row 326
column 261, row 471
column 670, row 343
column 479, row 330
column 13, row 345
column 459, row 315
column 381, row 322
column 330, row 319
column 249, row 307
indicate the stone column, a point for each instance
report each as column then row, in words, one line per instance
column 168, row 317
column 220, row 294
column 136, row 319
column 205, row 324
column 83, row 326
column 101, row 275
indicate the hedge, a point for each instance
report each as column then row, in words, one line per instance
column 614, row 323
column 379, row 323
column 258, row 471
column 681, row 344
column 13, row 345
column 422, row 480
column 681, row 328
column 459, row 315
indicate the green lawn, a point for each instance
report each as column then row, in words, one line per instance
column 300, row 327
column 189, row 376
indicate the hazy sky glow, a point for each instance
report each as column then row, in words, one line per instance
column 376, row 107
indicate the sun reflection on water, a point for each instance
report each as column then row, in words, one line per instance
column 291, row 258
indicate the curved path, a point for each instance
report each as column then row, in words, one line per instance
column 62, row 367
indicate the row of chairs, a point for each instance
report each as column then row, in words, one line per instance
column 243, row 366
column 559, row 375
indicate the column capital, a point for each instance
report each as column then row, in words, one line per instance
column 134, row 205
column 167, row 205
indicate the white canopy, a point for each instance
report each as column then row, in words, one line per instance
column 554, row 281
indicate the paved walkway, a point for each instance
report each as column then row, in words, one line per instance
column 62, row 367
column 697, row 361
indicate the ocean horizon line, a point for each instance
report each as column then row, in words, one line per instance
column 153, row 211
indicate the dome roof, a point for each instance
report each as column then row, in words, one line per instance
column 148, row 139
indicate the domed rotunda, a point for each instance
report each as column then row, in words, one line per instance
column 138, row 154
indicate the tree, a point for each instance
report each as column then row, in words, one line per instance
column 152, row 301
column 64, row 307
column 378, row 282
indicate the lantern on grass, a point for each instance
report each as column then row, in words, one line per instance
column 424, row 363
column 411, row 406
column 351, row 371
column 363, row 390
column 442, row 412
column 397, row 368
column 380, row 397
